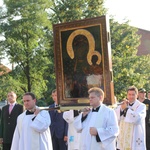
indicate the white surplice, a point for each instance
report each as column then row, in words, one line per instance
column 32, row 134
column 73, row 135
column 105, row 121
column 132, row 127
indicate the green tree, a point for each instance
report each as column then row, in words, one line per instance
column 68, row 10
column 129, row 69
column 27, row 44
column 7, row 84
column 124, row 41
column 2, row 12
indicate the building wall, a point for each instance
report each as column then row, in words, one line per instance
column 144, row 47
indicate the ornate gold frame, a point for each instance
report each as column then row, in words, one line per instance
column 82, row 55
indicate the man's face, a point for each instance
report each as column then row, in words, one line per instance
column 141, row 95
column 29, row 103
column 54, row 96
column 94, row 100
column 132, row 96
column 11, row 97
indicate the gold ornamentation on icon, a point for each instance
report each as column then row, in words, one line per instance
column 91, row 42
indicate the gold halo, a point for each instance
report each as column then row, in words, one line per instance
column 84, row 32
column 91, row 42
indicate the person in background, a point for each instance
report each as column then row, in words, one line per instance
column 8, row 119
column 142, row 98
column 98, row 126
column 32, row 129
column 73, row 135
column 131, row 118
column 58, row 127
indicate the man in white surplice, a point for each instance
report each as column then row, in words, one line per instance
column 73, row 135
column 98, row 126
column 32, row 130
column 131, row 117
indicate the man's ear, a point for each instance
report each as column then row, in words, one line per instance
column 101, row 98
column 35, row 100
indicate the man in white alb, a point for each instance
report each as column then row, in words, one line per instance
column 73, row 135
column 32, row 130
column 98, row 126
column 131, row 118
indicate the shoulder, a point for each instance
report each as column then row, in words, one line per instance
column 21, row 115
column 106, row 107
column 139, row 104
column 44, row 114
column 146, row 101
column 19, row 105
column 4, row 107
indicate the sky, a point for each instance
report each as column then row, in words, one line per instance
column 136, row 11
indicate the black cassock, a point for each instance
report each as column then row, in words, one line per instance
column 147, row 121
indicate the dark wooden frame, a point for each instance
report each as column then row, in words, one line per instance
column 66, row 63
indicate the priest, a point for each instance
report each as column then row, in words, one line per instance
column 98, row 125
column 131, row 118
column 32, row 130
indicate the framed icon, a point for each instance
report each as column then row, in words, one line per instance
column 83, row 60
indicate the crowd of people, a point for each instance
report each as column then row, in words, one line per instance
column 98, row 127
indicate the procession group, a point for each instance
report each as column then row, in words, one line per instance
column 98, row 127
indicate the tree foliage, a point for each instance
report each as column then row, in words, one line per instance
column 68, row 10
column 124, row 41
column 27, row 43
column 27, row 27
column 126, row 64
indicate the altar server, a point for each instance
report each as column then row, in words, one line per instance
column 73, row 135
column 32, row 130
column 98, row 126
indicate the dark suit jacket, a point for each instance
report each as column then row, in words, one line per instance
column 58, row 126
column 8, row 122
column 147, row 121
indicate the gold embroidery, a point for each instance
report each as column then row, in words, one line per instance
column 147, row 106
column 125, row 138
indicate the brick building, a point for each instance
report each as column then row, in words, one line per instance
column 144, row 47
